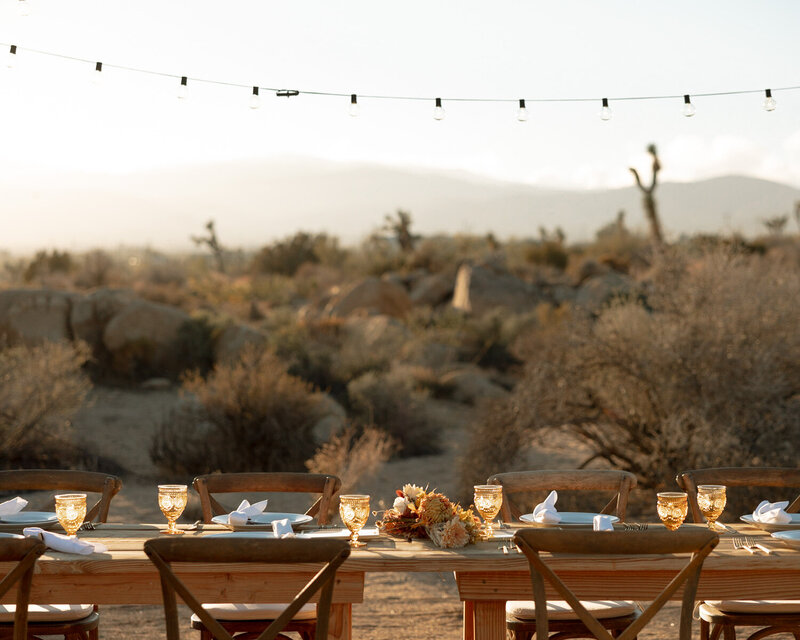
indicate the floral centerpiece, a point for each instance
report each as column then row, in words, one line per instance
column 419, row 513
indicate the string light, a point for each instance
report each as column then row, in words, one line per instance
column 605, row 110
column 688, row 107
column 97, row 77
column 522, row 112
column 183, row 91
column 255, row 100
column 769, row 101
column 438, row 110
column 605, row 113
column 353, row 111
column 12, row 56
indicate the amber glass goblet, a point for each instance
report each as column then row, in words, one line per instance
column 711, row 499
column 672, row 507
column 354, row 511
column 172, row 500
column 70, row 511
column 488, row 499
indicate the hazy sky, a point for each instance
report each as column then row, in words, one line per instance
column 53, row 117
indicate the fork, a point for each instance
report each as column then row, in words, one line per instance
column 752, row 543
column 740, row 542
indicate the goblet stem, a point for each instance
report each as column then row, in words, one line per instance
column 354, row 541
column 172, row 529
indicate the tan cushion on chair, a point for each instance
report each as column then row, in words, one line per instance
column 755, row 606
column 239, row 611
column 48, row 612
column 560, row 610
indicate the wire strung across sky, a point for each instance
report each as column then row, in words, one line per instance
column 14, row 50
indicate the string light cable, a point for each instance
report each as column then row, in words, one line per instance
column 768, row 104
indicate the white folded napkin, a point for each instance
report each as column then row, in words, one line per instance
column 602, row 522
column 772, row 512
column 10, row 507
column 60, row 542
column 282, row 528
column 245, row 511
column 545, row 512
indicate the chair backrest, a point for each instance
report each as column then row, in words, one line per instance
column 23, row 551
column 699, row 542
column 516, row 483
column 64, row 480
column 163, row 552
column 738, row 477
column 327, row 486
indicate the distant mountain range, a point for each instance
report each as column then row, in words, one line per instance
column 256, row 202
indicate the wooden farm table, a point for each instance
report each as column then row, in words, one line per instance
column 485, row 576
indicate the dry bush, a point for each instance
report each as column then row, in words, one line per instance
column 389, row 401
column 705, row 372
column 41, row 388
column 247, row 416
column 353, row 455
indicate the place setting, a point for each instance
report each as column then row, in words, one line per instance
column 13, row 518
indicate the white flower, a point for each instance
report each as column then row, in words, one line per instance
column 411, row 491
column 400, row 505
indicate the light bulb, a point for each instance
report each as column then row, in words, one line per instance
column 23, row 8
column 183, row 90
column 255, row 101
column 688, row 107
column 438, row 111
column 522, row 112
column 97, row 77
column 769, row 101
column 605, row 110
column 12, row 56
column 353, row 105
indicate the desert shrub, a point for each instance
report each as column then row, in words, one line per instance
column 287, row 256
column 390, row 402
column 353, row 455
column 247, row 416
column 97, row 270
column 44, row 264
column 708, row 374
column 41, row 388
column 194, row 344
column 547, row 253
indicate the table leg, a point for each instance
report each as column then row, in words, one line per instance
column 469, row 620
column 489, row 619
column 340, row 626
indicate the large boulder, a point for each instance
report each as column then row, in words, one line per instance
column 375, row 333
column 91, row 313
column 234, row 339
column 599, row 290
column 33, row 316
column 481, row 288
column 143, row 338
column 433, row 289
column 370, row 296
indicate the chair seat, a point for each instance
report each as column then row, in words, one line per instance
column 239, row 611
column 750, row 606
column 560, row 610
column 48, row 612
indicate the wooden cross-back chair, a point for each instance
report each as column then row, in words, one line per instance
column 723, row 616
column 520, row 615
column 698, row 542
column 72, row 621
column 23, row 551
column 516, row 483
column 165, row 552
column 325, row 485
column 65, row 480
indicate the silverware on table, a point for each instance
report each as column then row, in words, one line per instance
column 753, row 543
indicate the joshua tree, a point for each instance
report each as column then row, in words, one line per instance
column 648, row 201
column 776, row 225
column 212, row 242
column 401, row 228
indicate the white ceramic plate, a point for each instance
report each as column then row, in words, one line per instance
column 243, row 534
column 43, row 519
column 791, row 538
column 568, row 519
column 263, row 521
column 772, row 527
column 11, row 535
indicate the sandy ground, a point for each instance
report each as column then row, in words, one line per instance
column 118, row 425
